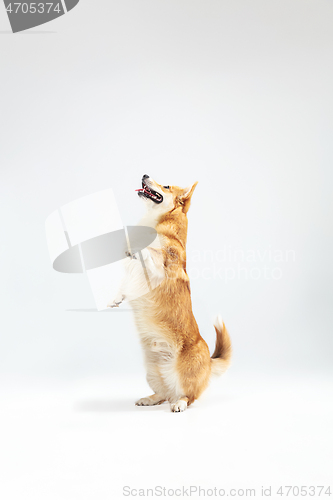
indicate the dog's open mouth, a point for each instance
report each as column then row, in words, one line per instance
column 149, row 193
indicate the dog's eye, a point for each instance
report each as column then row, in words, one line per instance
column 166, row 187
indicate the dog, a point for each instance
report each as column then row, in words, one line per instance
column 177, row 358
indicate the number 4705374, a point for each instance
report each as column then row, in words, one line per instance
column 303, row 491
column 32, row 7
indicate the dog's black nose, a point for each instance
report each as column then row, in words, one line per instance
column 145, row 176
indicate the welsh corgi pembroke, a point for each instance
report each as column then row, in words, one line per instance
column 177, row 358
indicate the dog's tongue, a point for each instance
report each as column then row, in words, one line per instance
column 141, row 189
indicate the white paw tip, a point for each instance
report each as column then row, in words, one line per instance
column 179, row 406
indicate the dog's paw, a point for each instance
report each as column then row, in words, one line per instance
column 116, row 301
column 113, row 304
column 144, row 402
column 131, row 255
column 153, row 400
column 179, row 406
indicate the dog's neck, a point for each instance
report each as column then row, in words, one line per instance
column 150, row 219
column 173, row 225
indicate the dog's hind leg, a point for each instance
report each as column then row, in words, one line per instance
column 180, row 405
column 155, row 399
column 154, row 380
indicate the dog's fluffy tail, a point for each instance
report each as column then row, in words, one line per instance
column 222, row 354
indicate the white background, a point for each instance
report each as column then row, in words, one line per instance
column 236, row 95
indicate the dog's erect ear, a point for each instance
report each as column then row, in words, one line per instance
column 189, row 191
column 185, row 198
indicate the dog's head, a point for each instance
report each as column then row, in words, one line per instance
column 164, row 199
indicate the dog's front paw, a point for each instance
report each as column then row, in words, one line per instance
column 116, row 301
column 130, row 255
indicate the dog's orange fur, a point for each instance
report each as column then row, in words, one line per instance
column 178, row 361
